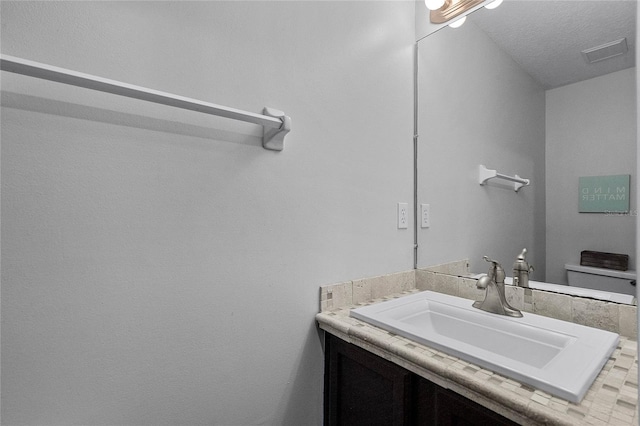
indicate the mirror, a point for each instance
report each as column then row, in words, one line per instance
column 511, row 90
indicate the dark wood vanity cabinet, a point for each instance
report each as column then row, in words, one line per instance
column 364, row 389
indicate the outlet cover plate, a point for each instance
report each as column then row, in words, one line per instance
column 425, row 215
column 403, row 215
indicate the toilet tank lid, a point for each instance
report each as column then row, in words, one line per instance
column 629, row 275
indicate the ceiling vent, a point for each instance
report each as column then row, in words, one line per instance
column 605, row 51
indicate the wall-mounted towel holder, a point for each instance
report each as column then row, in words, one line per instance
column 485, row 174
column 276, row 125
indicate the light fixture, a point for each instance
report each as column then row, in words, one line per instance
column 493, row 4
column 452, row 9
column 434, row 4
column 458, row 23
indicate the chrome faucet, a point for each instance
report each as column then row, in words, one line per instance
column 494, row 298
column 521, row 270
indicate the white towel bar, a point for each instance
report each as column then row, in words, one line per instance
column 275, row 123
column 485, row 174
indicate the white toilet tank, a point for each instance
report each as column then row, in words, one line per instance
column 601, row 279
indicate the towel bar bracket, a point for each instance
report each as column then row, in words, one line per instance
column 273, row 139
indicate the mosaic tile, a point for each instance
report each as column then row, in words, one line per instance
column 514, row 296
column 556, row 406
column 578, row 414
column 468, row 289
column 540, row 399
column 552, row 305
column 336, row 295
column 442, row 283
column 595, row 313
column 628, row 325
column 459, row 268
column 361, row 291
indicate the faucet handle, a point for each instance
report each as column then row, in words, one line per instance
column 492, row 269
column 488, row 259
column 522, row 255
column 496, row 271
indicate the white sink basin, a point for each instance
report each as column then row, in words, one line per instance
column 558, row 357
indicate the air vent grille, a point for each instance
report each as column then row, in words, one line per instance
column 605, row 51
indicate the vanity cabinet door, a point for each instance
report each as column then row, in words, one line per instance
column 455, row 410
column 364, row 389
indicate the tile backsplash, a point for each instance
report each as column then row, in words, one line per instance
column 453, row 278
column 348, row 293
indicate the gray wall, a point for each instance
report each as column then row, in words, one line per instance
column 591, row 131
column 476, row 106
column 160, row 267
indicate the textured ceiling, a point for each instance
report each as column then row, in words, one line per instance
column 546, row 37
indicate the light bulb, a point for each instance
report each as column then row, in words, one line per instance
column 458, row 23
column 433, row 4
column 493, row 4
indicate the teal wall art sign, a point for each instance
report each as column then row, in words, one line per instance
column 604, row 194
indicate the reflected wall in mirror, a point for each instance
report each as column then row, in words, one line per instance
column 485, row 97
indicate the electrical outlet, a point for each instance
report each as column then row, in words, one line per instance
column 425, row 215
column 403, row 215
